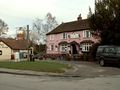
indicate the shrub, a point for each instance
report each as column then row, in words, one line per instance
column 93, row 50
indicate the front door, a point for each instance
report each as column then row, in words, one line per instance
column 74, row 49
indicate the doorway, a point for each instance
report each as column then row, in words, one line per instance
column 74, row 49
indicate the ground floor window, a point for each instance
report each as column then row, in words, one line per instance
column 85, row 47
column 63, row 47
column 52, row 47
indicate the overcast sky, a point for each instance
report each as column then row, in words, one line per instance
column 18, row 13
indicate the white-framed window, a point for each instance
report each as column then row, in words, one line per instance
column 87, row 34
column 51, row 47
column 51, row 37
column 85, row 47
column 64, row 35
column 63, row 47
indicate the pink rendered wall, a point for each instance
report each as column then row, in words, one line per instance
column 58, row 38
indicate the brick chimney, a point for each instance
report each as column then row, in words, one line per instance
column 79, row 17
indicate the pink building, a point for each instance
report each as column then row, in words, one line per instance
column 70, row 38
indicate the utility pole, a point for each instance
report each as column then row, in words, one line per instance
column 28, row 57
column 28, row 32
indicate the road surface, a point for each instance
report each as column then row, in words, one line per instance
column 22, row 82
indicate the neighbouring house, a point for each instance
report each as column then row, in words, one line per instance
column 71, row 38
column 10, row 47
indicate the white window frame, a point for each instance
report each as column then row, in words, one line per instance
column 52, row 47
column 64, row 35
column 87, row 34
column 51, row 37
column 64, row 48
column 86, row 47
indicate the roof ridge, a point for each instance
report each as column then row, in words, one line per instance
column 71, row 26
column 75, row 21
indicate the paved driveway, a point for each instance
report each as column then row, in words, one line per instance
column 91, row 69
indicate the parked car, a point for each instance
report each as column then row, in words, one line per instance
column 108, row 54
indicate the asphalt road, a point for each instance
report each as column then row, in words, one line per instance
column 90, row 76
column 21, row 82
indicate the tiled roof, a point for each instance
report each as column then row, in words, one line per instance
column 71, row 26
column 15, row 44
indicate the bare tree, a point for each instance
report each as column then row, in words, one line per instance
column 3, row 27
column 43, row 26
column 37, row 33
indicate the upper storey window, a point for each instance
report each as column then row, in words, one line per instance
column 64, row 35
column 87, row 34
column 51, row 37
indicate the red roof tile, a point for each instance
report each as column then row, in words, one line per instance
column 16, row 44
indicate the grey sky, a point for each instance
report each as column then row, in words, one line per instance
column 22, row 12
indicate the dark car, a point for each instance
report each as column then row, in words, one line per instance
column 108, row 54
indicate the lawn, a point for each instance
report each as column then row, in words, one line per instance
column 43, row 66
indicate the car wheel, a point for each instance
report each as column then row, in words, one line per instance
column 102, row 62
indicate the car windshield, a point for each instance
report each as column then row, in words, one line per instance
column 118, row 50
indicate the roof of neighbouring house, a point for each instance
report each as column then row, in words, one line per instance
column 15, row 44
column 71, row 26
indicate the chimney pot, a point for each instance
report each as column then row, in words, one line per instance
column 79, row 17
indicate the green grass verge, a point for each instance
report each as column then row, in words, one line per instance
column 43, row 66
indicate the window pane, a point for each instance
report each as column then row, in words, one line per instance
column 64, row 48
column 52, row 47
column 86, row 47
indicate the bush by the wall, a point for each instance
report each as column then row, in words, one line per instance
column 93, row 50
